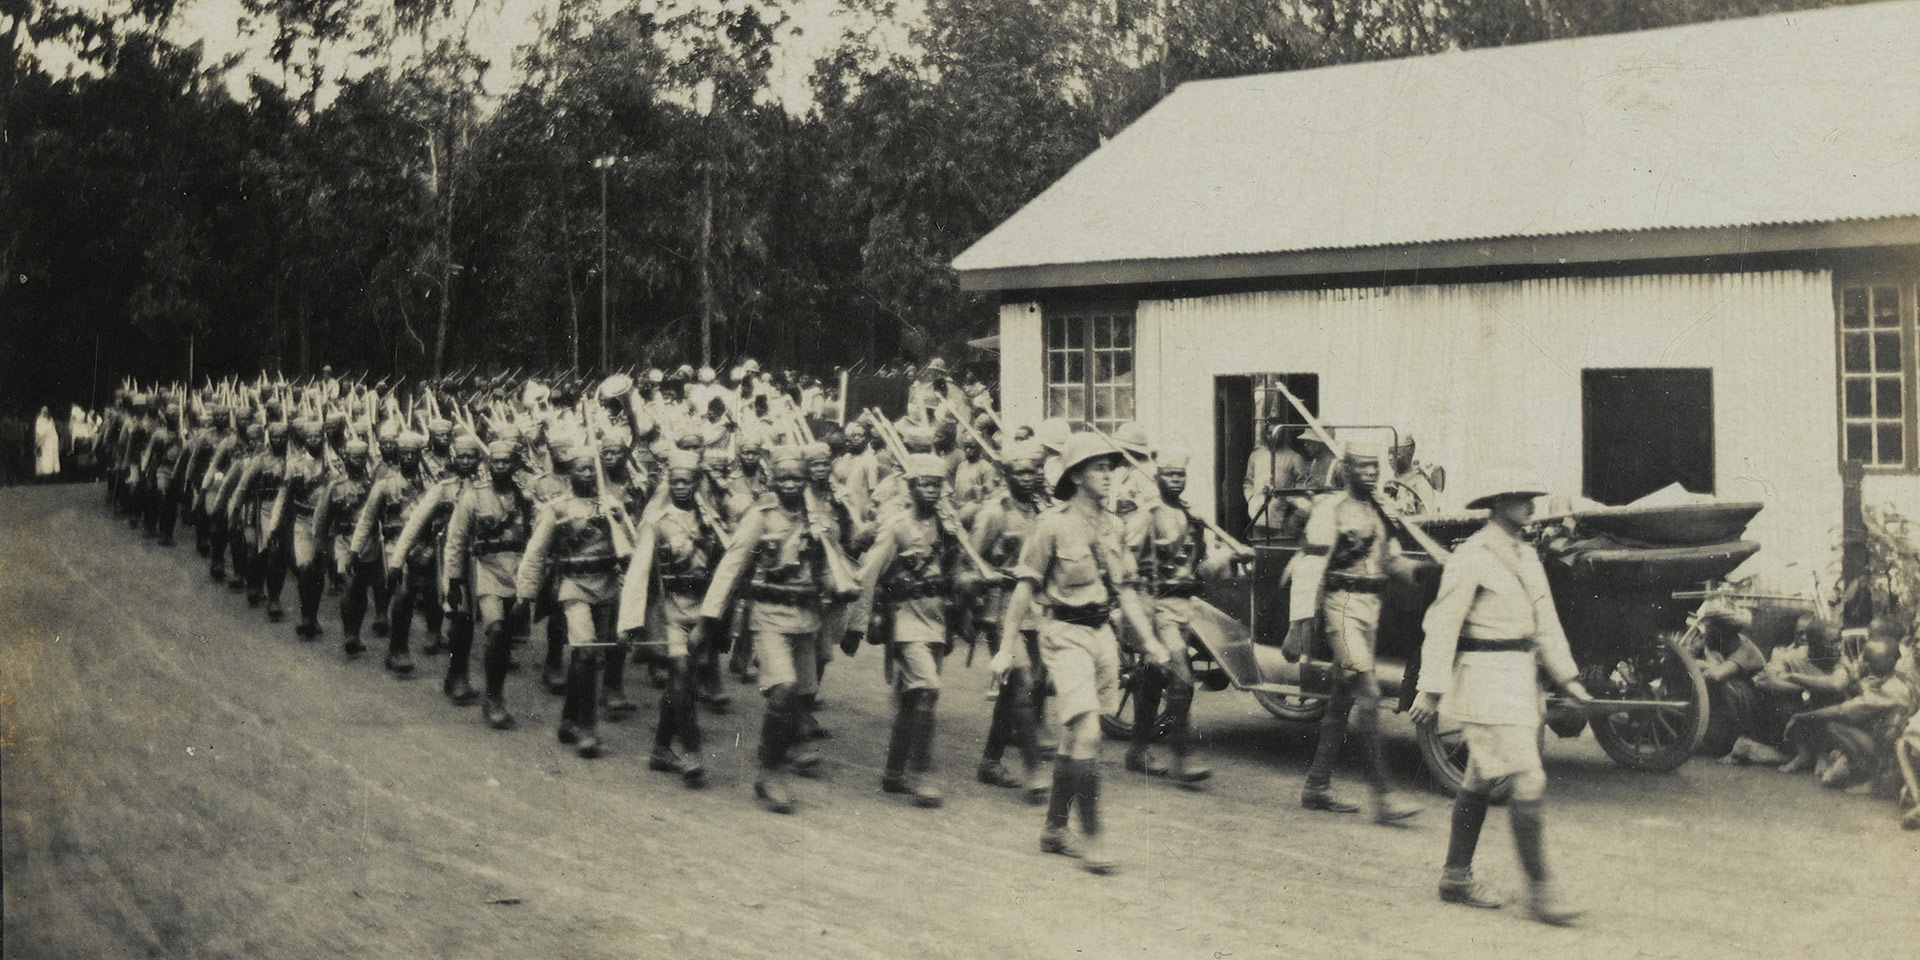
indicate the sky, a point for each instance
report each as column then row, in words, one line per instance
column 500, row 27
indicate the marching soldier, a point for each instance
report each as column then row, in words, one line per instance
column 785, row 562
column 1490, row 631
column 292, row 520
column 1171, row 550
column 376, row 534
column 583, row 540
column 1341, row 575
column 416, row 561
column 1076, row 563
column 1000, row 531
column 222, row 469
column 673, row 561
column 164, row 458
column 913, row 571
column 486, row 536
column 200, row 452
column 250, row 504
column 334, row 519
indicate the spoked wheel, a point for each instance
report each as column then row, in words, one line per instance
column 1118, row 725
column 1443, row 748
column 1658, row 740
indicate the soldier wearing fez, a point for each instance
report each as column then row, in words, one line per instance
column 486, row 535
column 672, row 568
column 1341, row 574
column 584, row 539
column 787, row 564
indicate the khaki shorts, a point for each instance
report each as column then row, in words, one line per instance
column 787, row 658
column 303, row 545
column 1496, row 750
column 916, row 666
column 1084, row 666
column 1351, row 622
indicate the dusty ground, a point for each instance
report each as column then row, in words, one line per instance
column 183, row 780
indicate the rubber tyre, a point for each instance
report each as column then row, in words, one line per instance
column 1296, row 709
column 1656, row 742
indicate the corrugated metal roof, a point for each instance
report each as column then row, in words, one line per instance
column 1795, row 118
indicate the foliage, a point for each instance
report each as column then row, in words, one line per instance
column 366, row 205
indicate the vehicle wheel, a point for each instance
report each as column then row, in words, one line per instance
column 1443, row 748
column 1657, row 740
column 1292, row 706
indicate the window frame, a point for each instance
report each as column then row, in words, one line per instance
column 1089, row 351
column 1907, row 325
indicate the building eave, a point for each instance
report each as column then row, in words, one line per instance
column 1533, row 251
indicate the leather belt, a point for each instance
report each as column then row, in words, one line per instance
column 913, row 591
column 1475, row 645
column 685, row 586
column 498, row 546
column 1347, row 583
column 783, row 595
column 588, row 565
column 1093, row 615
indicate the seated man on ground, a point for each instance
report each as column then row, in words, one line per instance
column 1854, row 738
column 1800, row 675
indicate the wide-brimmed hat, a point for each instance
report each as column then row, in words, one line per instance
column 1513, row 482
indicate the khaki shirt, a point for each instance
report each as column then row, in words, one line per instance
column 1493, row 588
column 1060, row 557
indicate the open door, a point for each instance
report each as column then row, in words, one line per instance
column 1645, row 429
column 1233, row 426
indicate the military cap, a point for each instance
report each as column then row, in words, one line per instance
column 277, row 429
column 575, row 456
column 926, row 466
column 787, row 461
column 817, row 451
column 354, row 448
column 467, row 443
column 408, row 440
column 1024, row 455
column 682, row 461
column 501, row 449
column 1174, row 456
column 439, row 426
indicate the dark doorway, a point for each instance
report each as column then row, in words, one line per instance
column 1645, row 429
column 1243, row 404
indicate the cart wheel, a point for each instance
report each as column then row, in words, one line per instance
column 1656, row 740
column 1118, row 725
column 1293, row 707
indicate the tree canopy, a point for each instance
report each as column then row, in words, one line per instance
column 398, row 218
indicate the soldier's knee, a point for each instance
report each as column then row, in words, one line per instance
column 1530, row 785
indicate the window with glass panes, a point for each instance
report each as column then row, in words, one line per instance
column 1876, row 374
column 1090, row 365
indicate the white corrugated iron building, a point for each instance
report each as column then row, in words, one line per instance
column 1683, row 255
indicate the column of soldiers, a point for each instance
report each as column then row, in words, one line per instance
column 676, row 521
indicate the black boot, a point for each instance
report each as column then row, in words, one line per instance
column 893, row 778
column 1456, row 883
column 1093, row 853
column 583, row 694
column 1317, row 794
column 1146, row 714
column 1066, row 788
column 614, row 698
column 776, row 737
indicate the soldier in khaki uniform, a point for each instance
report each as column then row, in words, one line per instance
column 1000, row 532
column 785, row 562
column 913, row 572
column 673, row 560
column 1077, row 565
column 333, row 521
column 1171, row 550
column 486, row 535
column 376, row 535
column 1341, row 574
column 1490, row 631
column 293, row 522
column 585, row 542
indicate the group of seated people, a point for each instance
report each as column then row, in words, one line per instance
column 1846, row 709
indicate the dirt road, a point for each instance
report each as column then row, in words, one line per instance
column 183, row 780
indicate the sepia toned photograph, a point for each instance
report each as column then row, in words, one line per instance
column 883, row 479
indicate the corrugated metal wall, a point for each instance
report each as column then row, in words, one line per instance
column 1489, row 374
